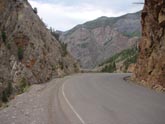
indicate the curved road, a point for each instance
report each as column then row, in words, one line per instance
column 108, row 99
column 87, row 99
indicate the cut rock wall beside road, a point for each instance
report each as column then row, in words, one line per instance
column 150, row 69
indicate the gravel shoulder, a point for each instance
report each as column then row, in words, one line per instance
column 33, row 107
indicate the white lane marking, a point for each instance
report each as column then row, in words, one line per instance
column 79, row 117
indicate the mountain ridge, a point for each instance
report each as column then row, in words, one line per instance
column 95, row 41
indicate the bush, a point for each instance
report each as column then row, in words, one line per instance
column 4, row 96
column 61, row 65
column 55, row 34
column 23, row 85
column 3, row 36
column 109, row 68
column 7, row 92
column 130, row 60
column 8, row 46
column 132, row 34
column 53, row 67
column 64, row 48
column 20, row 53
column 35, row 10
column 9, row 89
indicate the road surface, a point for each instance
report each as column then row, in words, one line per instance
column 87, row 99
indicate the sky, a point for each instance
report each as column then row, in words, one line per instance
column 65, row 14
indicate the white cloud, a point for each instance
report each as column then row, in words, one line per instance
column 63, row 17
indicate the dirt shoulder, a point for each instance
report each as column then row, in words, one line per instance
column 31, row 107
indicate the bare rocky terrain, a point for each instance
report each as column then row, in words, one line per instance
column 95, row 41
column 150, row 69
column 29, row 53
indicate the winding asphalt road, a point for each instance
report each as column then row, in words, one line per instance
column 108, row 99
column 86, row 99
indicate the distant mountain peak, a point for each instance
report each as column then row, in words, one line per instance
column 94, row 41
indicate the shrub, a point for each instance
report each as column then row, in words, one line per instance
column 55, row 34
column 9, row 89
column 61, row 65
column 64, row 48
column 20, row 53
column 4, row 96
column 132, row 34
column 63, row 45
column 109, row 68
column 130, row 60
column 8, row 46
column 84, row 45
column 23, row 85
column 7, row 92
column 3, row 36
column 35, row 10
column 53, row 67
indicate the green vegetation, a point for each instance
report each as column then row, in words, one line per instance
column 110, row 68
column 3, row 34
column 61, row 65
column 122, row 55
column 35, row 10
column 20, row 53
column 63, row 45
column 54, row 33
column 53, row 67
column 64, row 48
column 108, row 41
column 8, row 46
column 9, row 89
column 24, row 85
column 7, row 92
column 75, row 66
column 129, row 56
column 83, row 45
column 4, row 97
column 132, row 34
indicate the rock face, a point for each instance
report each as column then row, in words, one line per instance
column 28, row 52
column 94, row 42
column 150, row 69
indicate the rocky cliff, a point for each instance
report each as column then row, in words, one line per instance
column 96, row 41
column 28, row 52
column 150, row 68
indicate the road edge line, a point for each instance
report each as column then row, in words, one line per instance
column 72, row 108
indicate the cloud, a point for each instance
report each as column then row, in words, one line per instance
column 65, row 15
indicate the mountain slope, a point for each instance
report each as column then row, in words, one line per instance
column 93, row 42
column 150, row 68
column 120, row 62
column 28, row 52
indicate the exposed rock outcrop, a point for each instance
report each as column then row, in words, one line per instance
column 96, row 41
column 150, row 69
column 28, row 52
